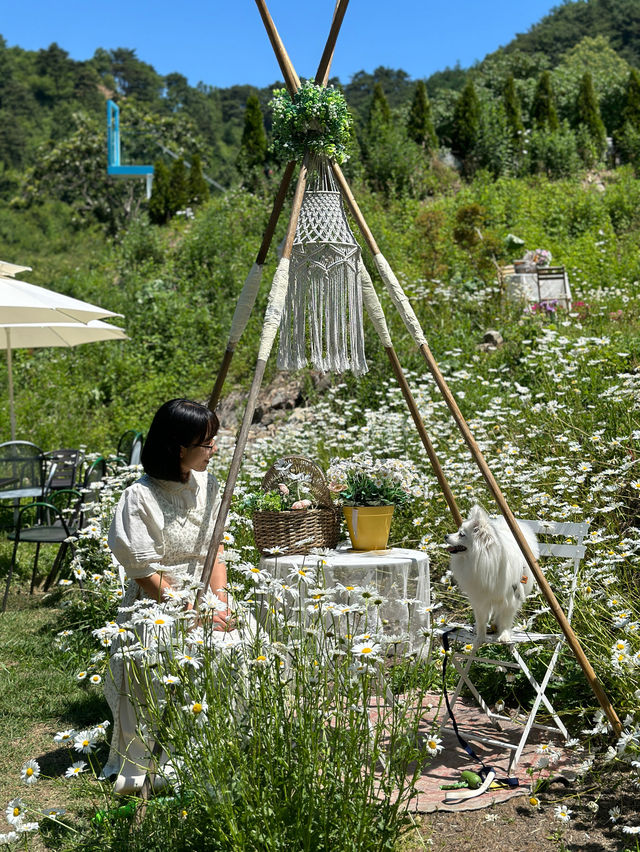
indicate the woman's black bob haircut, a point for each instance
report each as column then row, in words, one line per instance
column 177, row 423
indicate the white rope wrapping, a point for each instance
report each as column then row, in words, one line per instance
column 373, row 306
column 400, row 299
column 246, row 301
column 273, row 314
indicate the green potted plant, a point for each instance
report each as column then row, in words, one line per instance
column 369, row 490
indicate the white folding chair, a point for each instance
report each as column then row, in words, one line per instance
column 553, row 285
column 556, row 539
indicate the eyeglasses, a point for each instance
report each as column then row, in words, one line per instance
column 209, row 446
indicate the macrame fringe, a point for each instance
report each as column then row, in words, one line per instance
column 325, row 291
column 329, row 303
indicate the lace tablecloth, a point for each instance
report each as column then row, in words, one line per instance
column 399, row 576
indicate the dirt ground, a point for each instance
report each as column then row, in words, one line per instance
column 515, row 826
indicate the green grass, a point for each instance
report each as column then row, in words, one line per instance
column 39, row 697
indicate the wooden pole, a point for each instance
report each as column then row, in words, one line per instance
column 424, row 437
column 322, row 75
column 243, row 434
column 572, row 639
column 291, row 79
column 260, row 259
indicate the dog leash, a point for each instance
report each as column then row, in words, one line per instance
column 487, row 773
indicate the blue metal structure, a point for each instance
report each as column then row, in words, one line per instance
column 114, row 167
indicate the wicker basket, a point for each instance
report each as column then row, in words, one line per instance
column 298, row 530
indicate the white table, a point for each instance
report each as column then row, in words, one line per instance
column 400, row 576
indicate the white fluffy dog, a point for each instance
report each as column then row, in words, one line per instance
column 490, row 569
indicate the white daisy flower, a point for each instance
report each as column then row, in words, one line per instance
column 562, row 813
column 30, row 772
column 433, row 744
column 75, row 769
column 15, row 812
column 65, row 736
column 198, row 711
column 84, row 741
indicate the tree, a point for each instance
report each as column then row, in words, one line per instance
column 134, row 77
column 178, row 190
column 543, row 108
column 631, row 108
column 419, row 122
column 73, row 171
column 511, row 104
column 466, row 122
column 253, row 146
column 197, row 188
column 379, row 112
column 588, row 113
column 159, row 203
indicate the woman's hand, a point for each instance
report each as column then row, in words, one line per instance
column 223, row 620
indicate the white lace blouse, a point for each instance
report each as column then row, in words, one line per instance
column 166, row 526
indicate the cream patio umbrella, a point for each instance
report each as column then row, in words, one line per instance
column 33, row 317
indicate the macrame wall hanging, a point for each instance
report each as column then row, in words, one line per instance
column 324, row 298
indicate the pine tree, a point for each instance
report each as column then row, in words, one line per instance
column 631, row 109
column 588, row 112
column 197, row 188
column 543, row 109
column 253, row 146
column 178, row 192
column 419, row 123
column 511, row 104
column 466, row 122
column 159, row 208
column 379, row 112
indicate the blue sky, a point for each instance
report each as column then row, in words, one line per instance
column 221, row 43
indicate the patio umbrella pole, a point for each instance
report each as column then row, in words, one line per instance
column 12, row 413
column 413, row 326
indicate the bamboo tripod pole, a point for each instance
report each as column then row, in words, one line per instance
column 376, row 315
column 292, row 82
column 278, row 204
column 572, row 639
column 274, row 314
column 289, row 73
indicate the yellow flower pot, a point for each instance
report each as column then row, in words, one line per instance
column 368, row 526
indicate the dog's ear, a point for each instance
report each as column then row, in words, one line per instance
column 482, row 529
column 478, row 515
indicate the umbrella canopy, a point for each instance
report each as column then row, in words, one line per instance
column 12, row 269
column 37, row 335
column 32, row 317
column 26, row 303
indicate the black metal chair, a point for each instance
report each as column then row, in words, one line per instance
column 53, row 521
column 24, row 474
column 95, row 473
column 68, row 463
column 129, row 449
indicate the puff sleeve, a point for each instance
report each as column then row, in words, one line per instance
column 135, row 536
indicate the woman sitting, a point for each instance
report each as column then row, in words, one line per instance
column 160, row 534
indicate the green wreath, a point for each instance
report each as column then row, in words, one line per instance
column 316, row 119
